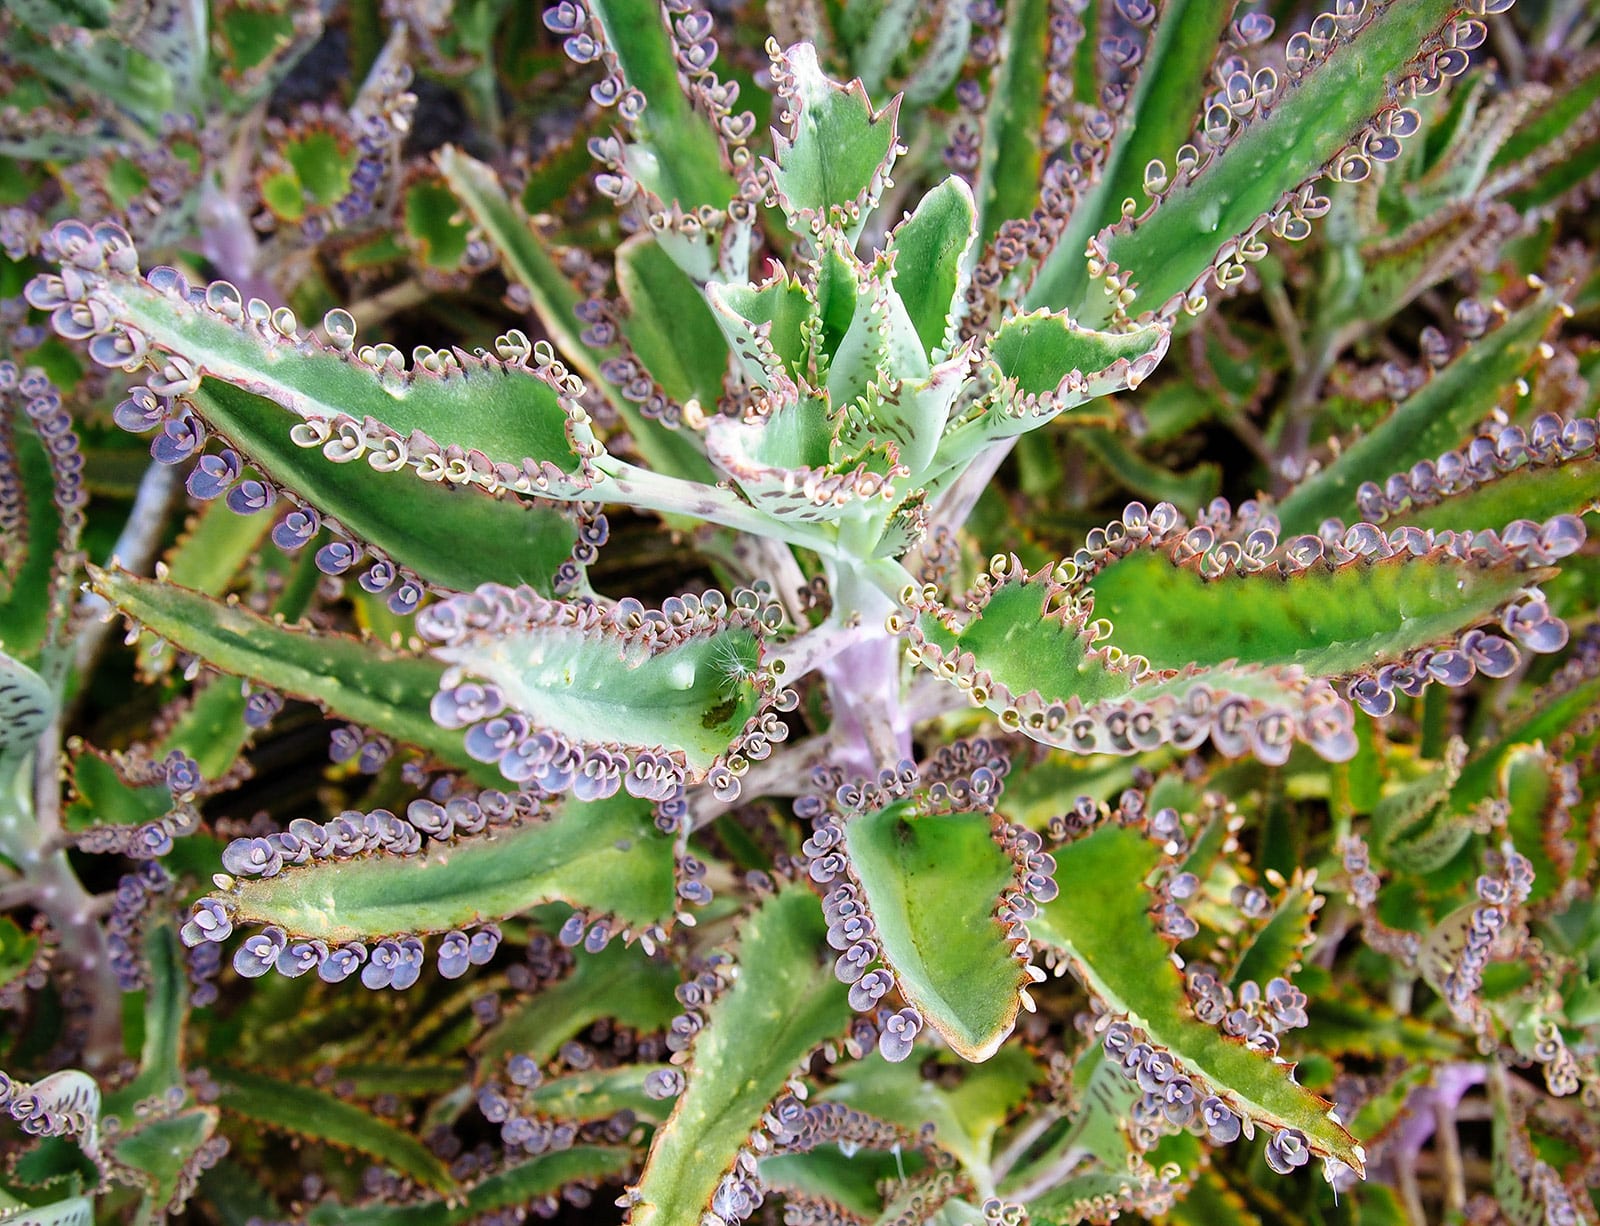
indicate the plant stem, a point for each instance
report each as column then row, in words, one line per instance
column 650, row 491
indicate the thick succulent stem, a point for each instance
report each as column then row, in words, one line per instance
column 870, row 728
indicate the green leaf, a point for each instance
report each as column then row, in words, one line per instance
column 1312, row 120
column 620, row 982
column 1538, row 818
column 166, row 1015
column 1536, row 491
column 434, row 225
column 880, row 348
column 1157, row 118
column 28, row 554
column 604, row 856
column 1037, row 353
column 529, row 262
column 831, row 165
column 596, row 683
column 508, row 1189
column 1378, row 278
column 162, row 1153
column 1328, row 622
column 1274, row 949
column 929, row 249
column 318, row 1116
column 932, row 885
column 668, row 324
column 598, row 1094
column 507, row 411
column 215, row 545
column 16, row 950
column 826, row 1175
column 784, row 1003
column 967, row 1104
column 1045, row 364
column 1012, row 154
column 420, row 524
column 1097, row 1196
column 369, row 685
column 1435, row 418
column 1100, row 923
column 678, row 156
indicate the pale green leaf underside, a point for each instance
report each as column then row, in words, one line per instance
column 693, row 697
column 509, row 413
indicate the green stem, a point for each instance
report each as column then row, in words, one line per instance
column 650, row 491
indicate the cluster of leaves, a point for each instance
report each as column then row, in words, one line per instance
column 1020, row 649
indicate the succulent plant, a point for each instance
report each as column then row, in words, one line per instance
column 796, row 727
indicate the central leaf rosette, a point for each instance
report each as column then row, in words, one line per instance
column 868, row 393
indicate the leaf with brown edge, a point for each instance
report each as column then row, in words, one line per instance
column 1100, row 924
column 932, row 884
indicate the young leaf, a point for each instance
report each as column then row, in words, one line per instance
column 831, row 166
column 930, row 249
column 1044, row 364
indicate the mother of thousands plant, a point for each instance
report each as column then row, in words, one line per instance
column 946, row 807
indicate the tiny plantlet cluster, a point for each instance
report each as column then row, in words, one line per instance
column 951, row 612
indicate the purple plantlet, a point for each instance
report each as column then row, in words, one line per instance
column 260, row 953
column 899, row 1034
column 339, row 964
column 296, row 529
column 455, row 955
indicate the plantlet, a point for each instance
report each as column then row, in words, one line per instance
column 807, row 727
